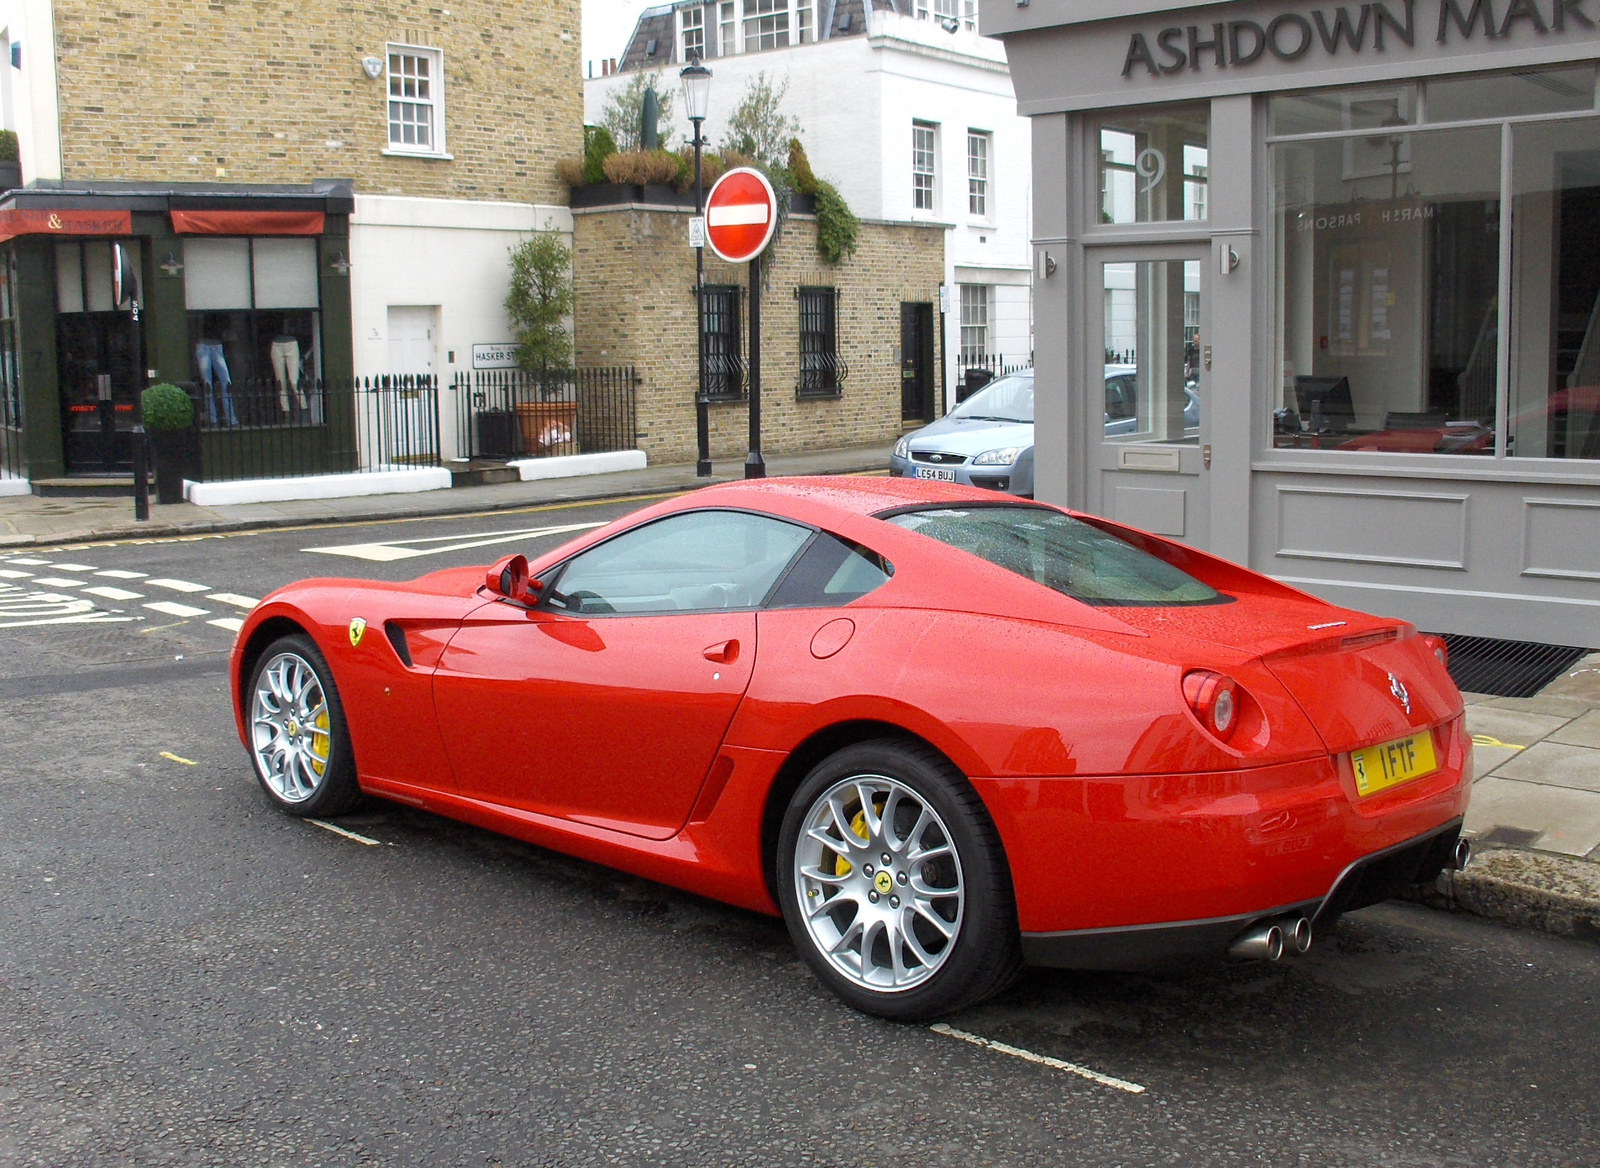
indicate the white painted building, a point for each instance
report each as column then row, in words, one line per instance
column 903, row 107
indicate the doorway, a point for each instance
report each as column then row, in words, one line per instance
column 916, row 362
column 413, row 350
column 96, row 361
column 1144, row 440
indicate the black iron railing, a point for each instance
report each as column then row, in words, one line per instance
column 269, row 429
column 822, row 374
column 10, row 435
column 975, row 372
column 507, row 413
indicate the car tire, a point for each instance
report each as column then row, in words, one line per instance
column 298, row 741
column 930, row 932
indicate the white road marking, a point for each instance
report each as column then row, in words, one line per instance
column 232, row 623
column 360, row 839
column 30, row 561
column 111, row 593
column 122, row 574
column 75, row 567
column 387, row 552
column 1043, row 1060
column 178, row 585
column 234, row 599
column 172, row 608
column 48, row 608
column 13, row 574
column 57, row 582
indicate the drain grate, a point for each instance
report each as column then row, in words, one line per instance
column 1507, row 669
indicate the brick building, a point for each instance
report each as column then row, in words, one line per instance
column 332, row 187
column 834, row 369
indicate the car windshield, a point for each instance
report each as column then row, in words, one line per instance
column 1060, row 552
column 1010, row 399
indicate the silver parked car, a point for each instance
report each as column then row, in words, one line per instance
column 987, row 440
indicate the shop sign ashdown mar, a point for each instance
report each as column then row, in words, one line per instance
column 1290, row 36
column 741, row 214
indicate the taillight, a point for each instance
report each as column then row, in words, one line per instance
column 1440, row 649
column 1214, row 700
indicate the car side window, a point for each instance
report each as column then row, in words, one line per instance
column 831, row 572
column 703, row 561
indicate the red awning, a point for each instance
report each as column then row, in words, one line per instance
column 14, row 223
column 247, row 222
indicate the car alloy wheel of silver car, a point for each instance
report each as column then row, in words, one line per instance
column 879, row 883
column 290, row 727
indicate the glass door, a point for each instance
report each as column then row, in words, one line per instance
column 1147, row 452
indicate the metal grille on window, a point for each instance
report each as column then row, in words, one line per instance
column 411, row 100
column 978, row 175
column 724, row 356
column 766, row 25
column 694, row 33
column 822, row 371
column 974, row 324
column 922, row 144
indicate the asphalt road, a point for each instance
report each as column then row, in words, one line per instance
column 189, row 977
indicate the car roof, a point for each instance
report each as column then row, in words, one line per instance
column 819, row 496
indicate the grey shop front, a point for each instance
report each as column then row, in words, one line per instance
column 1366, row 238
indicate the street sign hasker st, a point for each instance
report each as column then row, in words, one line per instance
column 741, row 213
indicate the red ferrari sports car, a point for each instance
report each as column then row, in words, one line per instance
column 942, row 733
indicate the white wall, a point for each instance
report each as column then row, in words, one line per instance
column 855, row 98
column 31, row 108
column 449, row 253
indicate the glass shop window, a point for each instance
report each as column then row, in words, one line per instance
column 1153, row 164
column 254, row 329
column 1388, row 247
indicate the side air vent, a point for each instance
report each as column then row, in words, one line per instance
column 397, row 638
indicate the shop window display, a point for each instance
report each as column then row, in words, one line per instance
column 254, row 330
column 1392, row 295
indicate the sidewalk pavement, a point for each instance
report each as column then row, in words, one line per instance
column 30, row 521
column 1535, row 813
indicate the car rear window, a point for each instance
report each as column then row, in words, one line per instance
column 1060, row 552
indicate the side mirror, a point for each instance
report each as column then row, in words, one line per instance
column 509, row 579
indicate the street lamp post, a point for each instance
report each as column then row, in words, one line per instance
column 696, row 80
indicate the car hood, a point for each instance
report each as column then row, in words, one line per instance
column 971, row 437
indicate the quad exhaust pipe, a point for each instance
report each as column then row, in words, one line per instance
column 1270, row 940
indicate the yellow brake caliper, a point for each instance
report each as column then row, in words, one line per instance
column 319, row 744
column 841, row 866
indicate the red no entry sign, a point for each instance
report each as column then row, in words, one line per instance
column 741, row 213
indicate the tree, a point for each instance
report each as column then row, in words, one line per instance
column 622, row 113
column 540, row 301
column 758, row 129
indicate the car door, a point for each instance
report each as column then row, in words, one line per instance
column 607, row 702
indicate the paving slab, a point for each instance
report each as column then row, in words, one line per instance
column 1512, row 727
column 1566, row 821
column 1581, row 681
column 1584, row 731
column 1561, row 705
column 1486, row 759
column 1555, row 765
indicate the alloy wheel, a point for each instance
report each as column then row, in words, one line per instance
column 879, row 883
column 290, row 737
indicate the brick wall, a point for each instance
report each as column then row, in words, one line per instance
column 634, row 279
column 174, row 90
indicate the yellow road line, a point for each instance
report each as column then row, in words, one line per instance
column 176, row 758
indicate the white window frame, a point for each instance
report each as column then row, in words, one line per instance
column 698, row 15
column 966, row 11
column 977, row 304
column 980, row 170
column 434, row 100
column 728, row 29
column 776, row 24
column 925, row 167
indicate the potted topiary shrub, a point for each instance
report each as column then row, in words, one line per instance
column 169, row 420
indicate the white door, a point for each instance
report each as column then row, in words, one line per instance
column 1148, row 452
column 412, row 349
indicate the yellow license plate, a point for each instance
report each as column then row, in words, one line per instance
column 1392, row 763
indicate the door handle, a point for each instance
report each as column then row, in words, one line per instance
column 723, row 652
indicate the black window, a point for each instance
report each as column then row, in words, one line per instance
column 704, row 561
column 820, row 368
column 724, row 352
column 1062, row 553
column 831, row 572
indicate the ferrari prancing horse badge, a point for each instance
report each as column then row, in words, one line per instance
column 358, row 628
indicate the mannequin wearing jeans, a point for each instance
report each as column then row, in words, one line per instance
column 214, row 375
column 286, row 371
